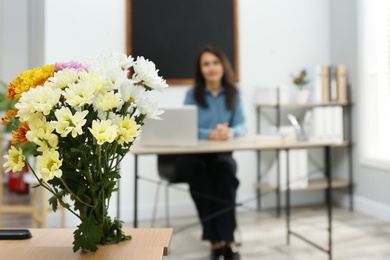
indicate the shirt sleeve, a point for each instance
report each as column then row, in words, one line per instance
column 238, row 122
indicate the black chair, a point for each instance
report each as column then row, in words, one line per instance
column 166, row 171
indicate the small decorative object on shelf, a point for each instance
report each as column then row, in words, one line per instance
column 82, row 119
column 300, row 81
column 299, row 128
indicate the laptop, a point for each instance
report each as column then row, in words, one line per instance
column 178, row 127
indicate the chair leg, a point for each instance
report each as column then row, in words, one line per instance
column 239, row 235
column 167, row 224
column 153, row 220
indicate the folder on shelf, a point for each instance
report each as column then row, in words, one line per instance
column 325, row 83
column 342, row 85
column 316, row 95
column 333, row 87
column 327, row 124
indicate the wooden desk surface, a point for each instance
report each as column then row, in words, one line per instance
column 146, row 243
column 250, row 142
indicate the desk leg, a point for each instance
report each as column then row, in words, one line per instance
column 328, row 173
column 278, row 197
column 258, row 191
column 350, row 188
column 135, row 224
column 288, row 198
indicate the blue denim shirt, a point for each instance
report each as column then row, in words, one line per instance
column 217, row 113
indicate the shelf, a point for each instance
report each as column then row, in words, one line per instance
column 309, row 105
column 315, row 184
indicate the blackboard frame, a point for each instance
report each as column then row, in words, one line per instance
column 178, row 80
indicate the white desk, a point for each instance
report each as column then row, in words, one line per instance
column 253, row 143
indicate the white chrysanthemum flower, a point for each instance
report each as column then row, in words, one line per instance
column 15, row 160
column 63, row 78
column 104, row 115
column 108, row 101
column 133, row 93
column 68, row 123
column 41, row 133
column 128, row 129
column 99, row 81
column 145, row 72
column 39, row 99
column 103, row 131
column 149, row 109
column 81, row 93
column 49, row 164
column 113, row 67
column 111, row 60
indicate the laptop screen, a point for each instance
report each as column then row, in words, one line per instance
column 178, row 127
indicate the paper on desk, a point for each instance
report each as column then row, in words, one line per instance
column 273, row 138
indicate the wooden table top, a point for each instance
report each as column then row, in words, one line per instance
column 146, row 243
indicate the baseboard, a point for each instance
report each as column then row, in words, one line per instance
column 365, row 206
column 187, row 209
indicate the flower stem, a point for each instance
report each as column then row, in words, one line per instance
column 44, row 185
column 74, row 195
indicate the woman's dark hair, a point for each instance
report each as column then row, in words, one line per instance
column 227, row 79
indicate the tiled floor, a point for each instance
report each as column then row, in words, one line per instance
column 263, row 235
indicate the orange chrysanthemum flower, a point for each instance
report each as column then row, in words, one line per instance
column 20, row 134
column 29, row 79
column 8, row 115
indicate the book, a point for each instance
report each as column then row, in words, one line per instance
column 325, row 83
column 316, row 95
column 338, row 128
column 333, row 87
column 342, row 85
column 327, row 124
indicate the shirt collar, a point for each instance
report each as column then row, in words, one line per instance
column 221, row 91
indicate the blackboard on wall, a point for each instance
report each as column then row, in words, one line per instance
column 172, row 32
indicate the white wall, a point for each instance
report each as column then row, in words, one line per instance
column 14, row 38
column 276, row 38
column 371, row 193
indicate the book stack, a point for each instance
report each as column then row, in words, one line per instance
column 330, row 84
column 327, row 124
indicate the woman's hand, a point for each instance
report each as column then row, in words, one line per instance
column 221, row 132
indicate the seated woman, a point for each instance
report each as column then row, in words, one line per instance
column 212, row 176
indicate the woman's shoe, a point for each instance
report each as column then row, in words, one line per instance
column 231, row 253
column 217, row 254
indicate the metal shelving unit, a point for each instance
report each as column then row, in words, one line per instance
column 328, row 183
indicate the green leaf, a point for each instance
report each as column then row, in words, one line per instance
column 87, row 236
column 54, row 203
column 113, row 175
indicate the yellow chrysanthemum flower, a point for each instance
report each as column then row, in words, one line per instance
column 108, row 101
column 41, row 133
column 69, row 123
column 15, row 160
column 49, row 164
column 29, row 79
column 128, row 129
column 103, row 131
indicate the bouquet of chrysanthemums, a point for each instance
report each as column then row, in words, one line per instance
column 82, row 119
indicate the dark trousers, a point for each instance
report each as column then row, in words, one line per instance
column 213, row 186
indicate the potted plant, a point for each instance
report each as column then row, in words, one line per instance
column 300, row 81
